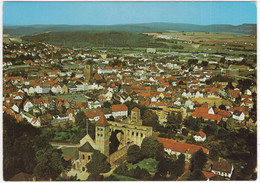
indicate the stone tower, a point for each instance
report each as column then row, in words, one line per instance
column 135, row 116
column 102, row 135
column 88, row 72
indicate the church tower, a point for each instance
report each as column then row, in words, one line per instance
column 135, row 116
column 102, row 135
column 88, row 72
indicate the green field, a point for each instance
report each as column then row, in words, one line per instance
column 149, row 164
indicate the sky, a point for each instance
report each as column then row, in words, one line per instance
column 111, row 13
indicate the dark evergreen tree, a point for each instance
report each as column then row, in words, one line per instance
column 133, row 154
column 198, row 160
column 197, row 175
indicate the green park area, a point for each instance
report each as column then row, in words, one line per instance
column 149, row 164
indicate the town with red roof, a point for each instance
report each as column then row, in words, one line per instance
column 152, row 104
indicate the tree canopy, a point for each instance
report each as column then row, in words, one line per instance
column 198, row 160
column 152, row 148
column 50, row 163
column 133, row 154
column 151, row 119
column 197, row 175
column 26, row 149
column 98, row 164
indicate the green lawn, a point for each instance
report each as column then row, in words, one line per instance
column 125, row 178
column 149, row 164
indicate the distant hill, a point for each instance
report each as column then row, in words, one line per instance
column 139, row 28
column 94, row 39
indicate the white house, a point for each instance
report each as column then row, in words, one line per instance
column 60, row 118
column 108, row 95
column 200, row 137
column 27, row 105
column 31, row 90
column 248, row 103
column 56, row 89
column 119, row 110
column 38, row 89
column 238, row 115
column 153, row 99
column 15, row 108
column 27, row 116
column 221, row 168
column 198, row 94
column 18, row 98
column 189, row 104
column 172, row 147
column 92, row 116
column 94, row 105
column 35, row 122
column 248, row 92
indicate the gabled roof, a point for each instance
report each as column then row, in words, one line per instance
column 208, row 175
column 235, row 91
column 201, row 133
column 237, row 113
column 203, row 112
column 119, row 107
column 91, row 114
column 181, row 147
column 248, row 101
column 136, row 109
column 102, row 121
column 86, row 148
column 240, row 108
column 223, row 113
column 222, row 167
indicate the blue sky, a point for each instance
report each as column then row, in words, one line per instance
column 110, row 13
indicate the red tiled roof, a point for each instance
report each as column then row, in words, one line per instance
column 119, row 107
column 158, row 104
column 212, row 116
column 91, row 114
column 113, row 84
column 102, row 121
column 145, row 94
column 145, row 102
column 223, row 113
column 205, row 105
column 200, row 111
column 97, row 77
column 136, row 109
column 203, row 112
column 241, row 108
column 181, row 147
column 208, row 174
column 246, row 96
column 201, row 133
column 235, row 95
column 247, row 101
